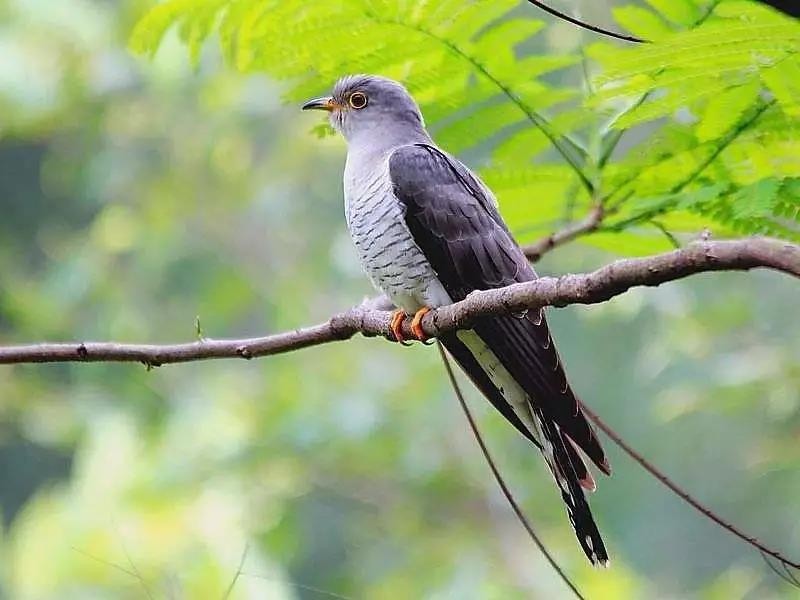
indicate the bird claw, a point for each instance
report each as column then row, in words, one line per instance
column 416, row 324
column 396, row 326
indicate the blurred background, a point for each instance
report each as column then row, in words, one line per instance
column 138, row 195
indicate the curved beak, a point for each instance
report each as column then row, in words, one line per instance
column 325, row 103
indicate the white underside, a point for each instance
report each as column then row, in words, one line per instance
column 509, row 388
column 515, row 396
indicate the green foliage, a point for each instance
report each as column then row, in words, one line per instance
column 719, row 89
column 137, row 194
column 717, row 92
column 459, row 59
column 734, row 45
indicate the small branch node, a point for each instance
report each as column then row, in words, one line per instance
column 198, row 329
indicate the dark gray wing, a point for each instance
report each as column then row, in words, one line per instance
column 455, row 223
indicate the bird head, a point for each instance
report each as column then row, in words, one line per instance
column 368, row 105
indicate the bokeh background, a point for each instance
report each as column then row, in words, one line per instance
column 136, row 195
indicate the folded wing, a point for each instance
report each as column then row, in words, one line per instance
column 453, row 218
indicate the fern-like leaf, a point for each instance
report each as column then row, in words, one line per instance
column 718, row 89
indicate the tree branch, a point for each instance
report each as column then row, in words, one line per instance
column 592, row 221
column 588, row 288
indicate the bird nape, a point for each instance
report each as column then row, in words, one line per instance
column 428, row 232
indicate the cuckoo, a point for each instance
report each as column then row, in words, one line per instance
column 428, row 232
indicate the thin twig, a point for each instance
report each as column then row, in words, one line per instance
column 726, row 141
column 683, row 494
column 299, row 586
column 786, row 574
column 588, row 288
column 609, row 144
column 134, row 568
column 667, row 233
column 536, row 250
column 612, row 139
column 238, row 572
column 590, row 27
column 499, row 478
column 133, row 573
column 108, row 563
column 596, row 216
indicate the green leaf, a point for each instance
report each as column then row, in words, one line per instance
column 641, row 22
column 699, row 197
column 495, row 47
column 740, row 46
column 478, row 126
column 725, row 109
column 783, row 80
column 533, row 198
column 520, row 146
column 481, row 88
column 680, row 12
column 756, row 200
column 151, row 29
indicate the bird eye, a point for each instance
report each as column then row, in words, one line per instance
column 357, row 100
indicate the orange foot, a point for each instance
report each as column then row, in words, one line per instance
column 396, row 325
column 416, row 324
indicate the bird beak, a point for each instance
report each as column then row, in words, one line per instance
column 325, row 103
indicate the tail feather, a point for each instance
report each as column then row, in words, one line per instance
column 502, row 362
column 557, row 455
column 565, row 408
column 528, row 352
column 584, row 475
column 473, row 369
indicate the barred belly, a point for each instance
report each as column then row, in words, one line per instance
column 388, row 253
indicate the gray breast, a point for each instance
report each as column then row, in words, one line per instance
column 387, row 251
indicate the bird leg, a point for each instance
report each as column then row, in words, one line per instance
column 396, row 326
column 416, row 324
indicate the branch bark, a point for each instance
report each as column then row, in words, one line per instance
column 592, row 221
column 588, row 288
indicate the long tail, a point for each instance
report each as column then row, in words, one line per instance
column 572, row 477
column 557, row 433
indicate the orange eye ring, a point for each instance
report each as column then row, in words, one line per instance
column 357, row 100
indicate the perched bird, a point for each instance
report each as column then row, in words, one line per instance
column 428, row 232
